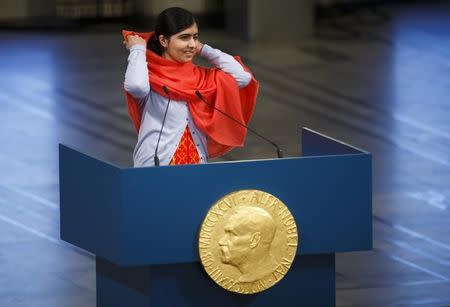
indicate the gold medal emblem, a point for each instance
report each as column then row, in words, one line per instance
column 248, row 241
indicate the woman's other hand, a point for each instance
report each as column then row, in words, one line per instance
column 132, row 40
column 199, row 47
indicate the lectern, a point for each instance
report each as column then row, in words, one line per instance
column 143, row 223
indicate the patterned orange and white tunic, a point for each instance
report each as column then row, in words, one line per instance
column 186, row 152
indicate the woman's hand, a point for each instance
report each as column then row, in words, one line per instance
column 132, row 40
column 198, row 48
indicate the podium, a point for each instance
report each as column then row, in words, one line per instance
column 143, row 223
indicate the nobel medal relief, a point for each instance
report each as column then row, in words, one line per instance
column 248, row 241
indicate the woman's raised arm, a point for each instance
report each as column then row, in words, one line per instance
column 136, row 77
column 227, row 63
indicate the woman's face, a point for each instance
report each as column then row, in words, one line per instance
column 182, row 46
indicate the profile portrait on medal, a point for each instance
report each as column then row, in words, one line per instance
column 246, row 243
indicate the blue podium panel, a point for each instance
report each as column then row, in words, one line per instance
column 316, row 144
column 328, row 204
column 142, row 216
column 90, row 202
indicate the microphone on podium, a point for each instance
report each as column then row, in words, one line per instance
column 279, row 151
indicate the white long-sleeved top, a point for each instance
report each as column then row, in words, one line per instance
column 178, row 115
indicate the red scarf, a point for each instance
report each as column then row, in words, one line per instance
column 219, row 88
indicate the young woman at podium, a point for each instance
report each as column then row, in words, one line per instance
column 178, row 107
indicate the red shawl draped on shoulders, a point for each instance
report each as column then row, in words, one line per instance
column 219, row 88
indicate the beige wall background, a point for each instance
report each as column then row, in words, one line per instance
column 154, row 7
column 22, row 9
column 13, row 9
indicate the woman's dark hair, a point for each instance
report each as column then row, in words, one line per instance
column 169, row 22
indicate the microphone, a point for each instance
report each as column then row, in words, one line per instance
column 156, row 158
column 279, row 151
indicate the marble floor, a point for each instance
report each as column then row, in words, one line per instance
column 377, row 78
